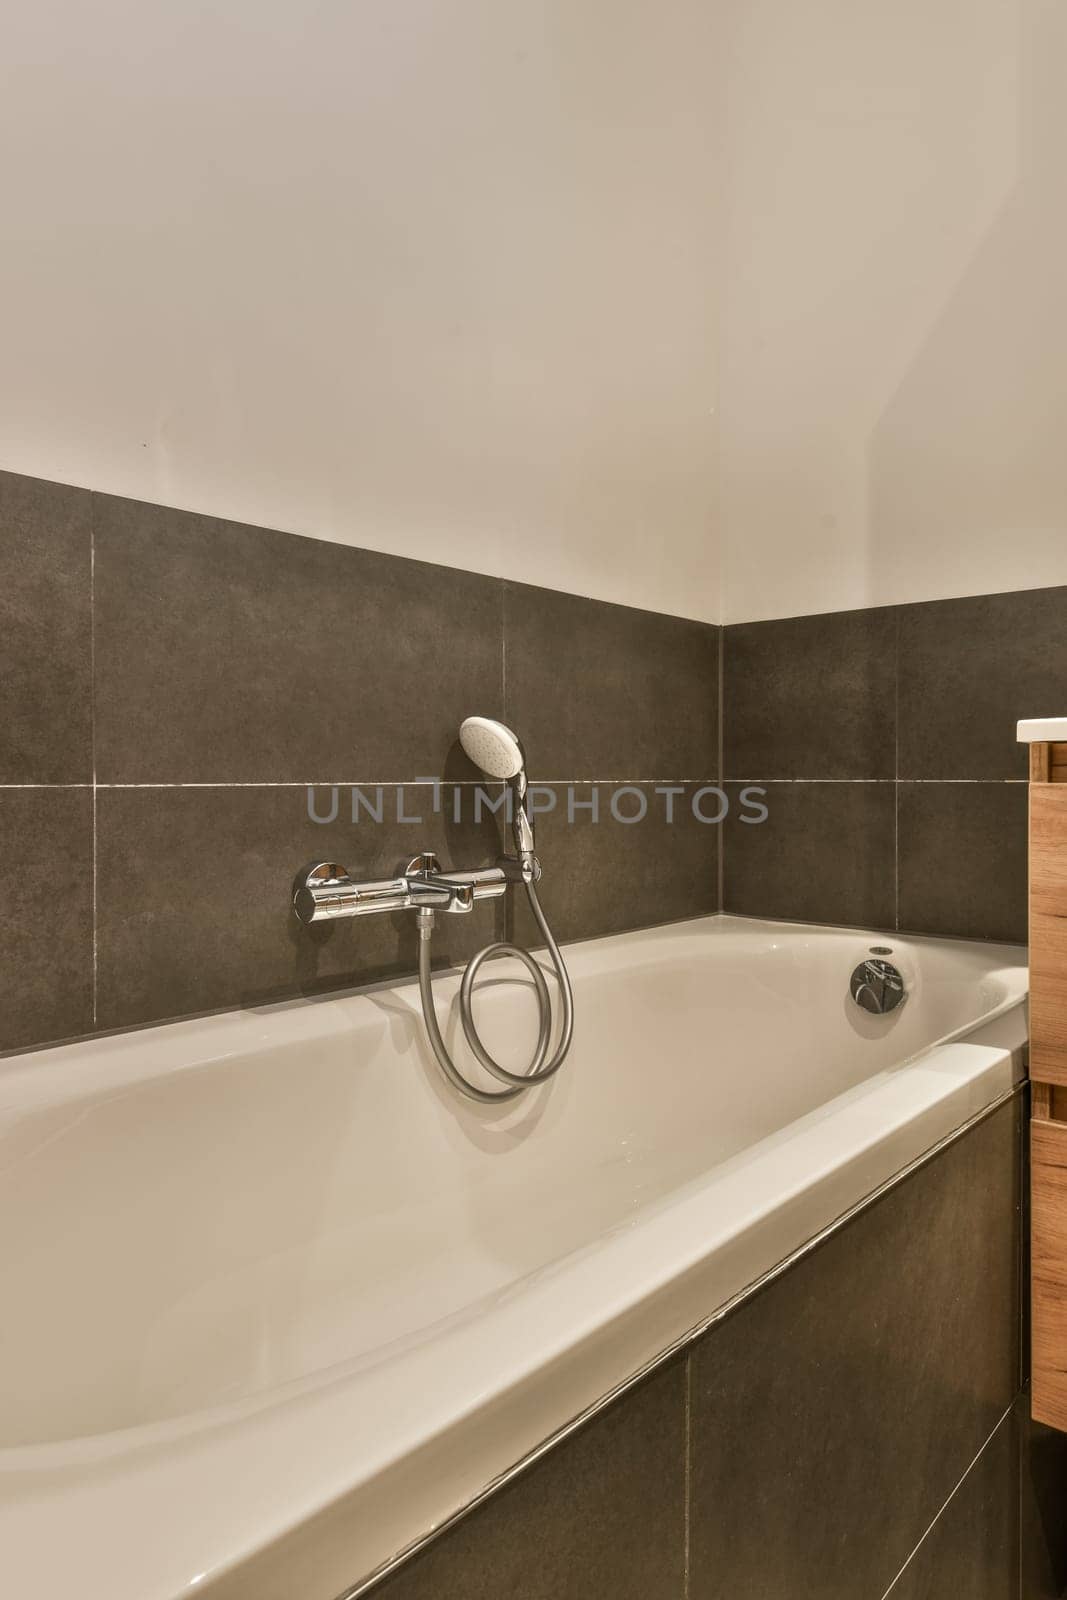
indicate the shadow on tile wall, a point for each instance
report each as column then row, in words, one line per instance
column 171, row 684
column 886, row 739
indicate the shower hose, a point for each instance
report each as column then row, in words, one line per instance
column 539, row 1070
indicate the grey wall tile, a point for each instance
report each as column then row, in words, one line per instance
column 605, row 691
column 45, row 632
column 233, row 654
column 603, row 1514
column 46, row 936
column 969, row 669
column 833, row 1413
column 194, row 896
column 824, row 854
column 811, row 697
column 609, row 876
column 962, row 851
column 971, row 1550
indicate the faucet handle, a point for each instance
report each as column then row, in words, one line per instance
column 422, row 864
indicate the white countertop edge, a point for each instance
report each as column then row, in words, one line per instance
column 1042, row 730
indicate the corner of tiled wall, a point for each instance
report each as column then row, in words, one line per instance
column 886, row 740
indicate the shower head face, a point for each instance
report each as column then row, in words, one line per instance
column 492, row 747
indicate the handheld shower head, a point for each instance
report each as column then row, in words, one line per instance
column 492, row 747
column 499, row 753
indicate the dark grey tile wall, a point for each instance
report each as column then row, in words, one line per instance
column 833, row 1414
column 193, row 886
column 46, row 762
column 624, row 865
column 620, row 701
column 827, row 1423
column 825, row 847
column 972, row 1549
column 46, row 929
column 631, row 696
column 184, row 679
column 961, row 858
column 229, row 654
column 917, row 706
column 189, row 677
column 45, row 633
column 969, row 669
column 811, row 697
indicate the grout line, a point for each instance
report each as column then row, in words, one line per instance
column 809, row 780
column 92, row 740
column 966, row 1474
column 317, row 783
column 931, row 781
column 896, row 857
column 896, row 776
column 364, row 783
column 720, row 854
column 472, row 783
column 504, row 648
column 965, row 780
column 711, row 782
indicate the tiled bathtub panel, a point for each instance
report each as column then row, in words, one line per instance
column 602, row 1514
column 833, row 1413
column 972, row 1549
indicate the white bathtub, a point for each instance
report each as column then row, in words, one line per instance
column 276, row 1301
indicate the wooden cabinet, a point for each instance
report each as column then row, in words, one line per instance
column 1048, row 932
column 1048, row 1270
column 1048, row 1073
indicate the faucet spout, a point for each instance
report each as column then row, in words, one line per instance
column 440, row 891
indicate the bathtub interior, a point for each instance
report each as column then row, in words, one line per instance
column 264, row 1214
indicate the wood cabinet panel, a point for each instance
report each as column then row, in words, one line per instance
column 1048, row 932
column 1048, row 1072
column 1048, row 1272
column 1048, row 999
column 1048, row 848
